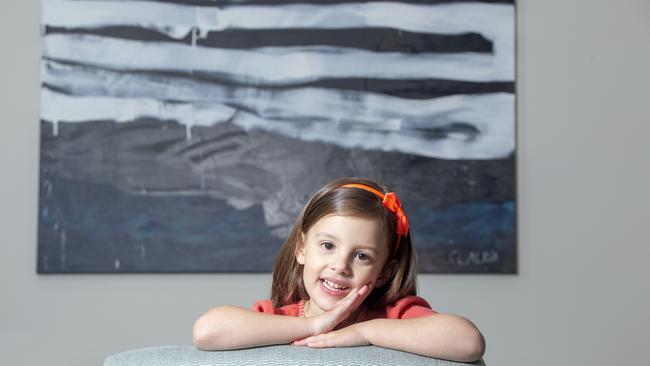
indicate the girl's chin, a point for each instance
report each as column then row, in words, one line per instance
column 320, row 303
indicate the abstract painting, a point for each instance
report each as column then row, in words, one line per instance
column 185, row 136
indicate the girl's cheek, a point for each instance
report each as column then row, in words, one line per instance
column 371, row 274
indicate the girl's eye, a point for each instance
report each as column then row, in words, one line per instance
column 327, row 245
column 363, row 256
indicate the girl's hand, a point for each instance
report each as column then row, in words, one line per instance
column 328, row 320
column 350, row 336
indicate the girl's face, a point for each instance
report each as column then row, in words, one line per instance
column 340, row 254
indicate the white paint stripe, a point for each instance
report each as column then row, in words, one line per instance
column 172, row 19
column 274, row 65
column 63, row 108
column 382, row 112
column 491, row 114
column 489, row 144
column 438, row 18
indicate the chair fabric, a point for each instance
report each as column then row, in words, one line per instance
column 281, row 355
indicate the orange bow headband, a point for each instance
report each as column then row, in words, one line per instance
column 393, row 204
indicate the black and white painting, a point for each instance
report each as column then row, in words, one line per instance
column 185, row 136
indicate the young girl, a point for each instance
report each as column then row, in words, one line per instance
column 345, row 277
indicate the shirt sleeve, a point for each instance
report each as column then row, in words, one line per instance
column 264, row 306
column 409, row 307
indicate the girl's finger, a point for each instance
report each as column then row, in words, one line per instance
column 319, row 342
column 307, row 341
column 354, row 299
column 363, row 290
column 357, row 296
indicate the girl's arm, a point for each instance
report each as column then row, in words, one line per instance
column 440, row 336
column 230, row 327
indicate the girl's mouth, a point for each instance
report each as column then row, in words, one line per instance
column 333, row 288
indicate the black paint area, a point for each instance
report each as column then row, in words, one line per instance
column 371, row 39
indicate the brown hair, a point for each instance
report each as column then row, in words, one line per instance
column 287, row 285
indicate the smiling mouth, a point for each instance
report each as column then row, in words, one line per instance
column 333, row 287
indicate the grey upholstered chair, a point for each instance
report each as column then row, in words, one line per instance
column 283, row 355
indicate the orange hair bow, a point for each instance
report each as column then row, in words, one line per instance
column 394, row 205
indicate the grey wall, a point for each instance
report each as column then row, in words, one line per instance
column 582, row 293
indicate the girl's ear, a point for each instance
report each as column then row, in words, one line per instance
column 300, row 250
column 387, row 273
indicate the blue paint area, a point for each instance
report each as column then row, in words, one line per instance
column 468, row 237
column 200, row 234
column 480, row 225
column 100, row 224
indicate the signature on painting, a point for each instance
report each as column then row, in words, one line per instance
column 473, row 257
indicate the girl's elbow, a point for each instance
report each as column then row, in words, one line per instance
column 202, row 335
column 469, row 343
column 208, row 333
column 474, row 346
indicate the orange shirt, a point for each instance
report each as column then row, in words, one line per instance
column 404, row 308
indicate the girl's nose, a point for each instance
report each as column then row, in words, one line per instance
column 339, row 264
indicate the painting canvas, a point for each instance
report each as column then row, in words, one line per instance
column 185, row 136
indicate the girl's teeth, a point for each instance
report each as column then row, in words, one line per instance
column 333, row 286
